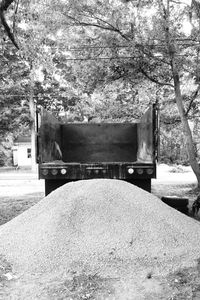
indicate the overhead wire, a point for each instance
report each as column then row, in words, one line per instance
column 26, row 96
column 85, row 47
column 70, row 49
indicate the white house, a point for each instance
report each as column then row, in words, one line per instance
column 22, row 151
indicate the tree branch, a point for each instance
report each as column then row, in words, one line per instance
column 194, row 96
column 5, row 4
column 155, row 80
column 107, row 23
column 152, row 55
column 110, row 27
column 15, row 13
column 3, row 7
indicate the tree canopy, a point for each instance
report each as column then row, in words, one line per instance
column 108, row 59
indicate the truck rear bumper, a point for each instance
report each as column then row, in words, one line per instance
column 75, row 171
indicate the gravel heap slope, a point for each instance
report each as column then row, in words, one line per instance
column 100, row 224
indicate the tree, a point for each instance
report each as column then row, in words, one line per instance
column 96, row 46
column 19, row 73
column 174, row 50
column 161, row 50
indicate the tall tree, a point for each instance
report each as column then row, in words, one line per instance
column 174, row 50
column 97, row 44
column 159, row 48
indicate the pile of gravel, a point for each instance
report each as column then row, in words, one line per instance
column 102, row 226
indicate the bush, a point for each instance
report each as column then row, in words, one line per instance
column 177, row 169
column 2, row 159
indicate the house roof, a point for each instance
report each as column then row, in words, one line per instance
column 22, row 139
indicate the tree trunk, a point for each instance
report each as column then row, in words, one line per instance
column 33, row 134
column 4, row 4
column 186, row 128
column 177, row 89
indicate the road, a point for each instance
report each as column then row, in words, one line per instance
column 20, row 182
column 16, row 183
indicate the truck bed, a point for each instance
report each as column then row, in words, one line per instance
column 71, row 151
column 95, row 143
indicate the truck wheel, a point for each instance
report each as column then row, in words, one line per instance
column 53, row 184
column 183, row 210
column 144, row 184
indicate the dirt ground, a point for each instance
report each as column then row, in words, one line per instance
column 20, row 190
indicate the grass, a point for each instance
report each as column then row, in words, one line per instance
column 185, row 283
column 12, row 206
column 82, row 287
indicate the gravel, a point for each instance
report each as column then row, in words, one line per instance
column 103, row 226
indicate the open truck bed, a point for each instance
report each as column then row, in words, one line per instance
column 126, row 151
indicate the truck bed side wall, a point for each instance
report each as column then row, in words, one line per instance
column 145, row 139
column 49, row 139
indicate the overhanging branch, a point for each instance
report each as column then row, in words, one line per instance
column 109, row 26
column 194, row 96
column 154, row 80
column 4, row 4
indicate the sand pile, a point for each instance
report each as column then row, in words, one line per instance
column 105, row 226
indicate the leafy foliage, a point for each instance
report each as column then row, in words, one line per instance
column 104, row 59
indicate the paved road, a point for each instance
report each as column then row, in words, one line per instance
column 20, row 183
column 12, row 174
column 163, row 175
column 18, row 176
column 25, row 182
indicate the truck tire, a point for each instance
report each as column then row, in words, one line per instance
column 183, row 210
column 52, row 184
column 175, row 201
column 144, row 184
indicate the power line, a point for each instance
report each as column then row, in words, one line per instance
column 102, row 58
column 119, row 57
column 99, row 58
column 117, row 46
column 137, row 45
column 35, row 96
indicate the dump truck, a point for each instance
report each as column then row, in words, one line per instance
column 79, row 151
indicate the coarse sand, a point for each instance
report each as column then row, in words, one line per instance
column 100, row 226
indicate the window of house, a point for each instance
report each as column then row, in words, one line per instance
column 29, row 152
